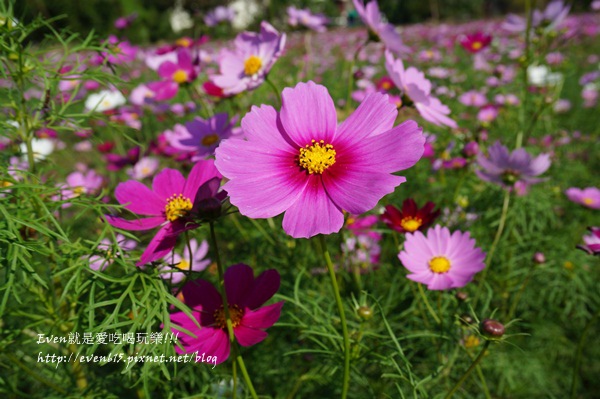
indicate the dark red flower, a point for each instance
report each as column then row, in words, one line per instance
column 475, row 42
column 410, row 218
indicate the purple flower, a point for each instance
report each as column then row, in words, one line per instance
column 552, row 16
column 384, row 31
column 415, row 86
column 171, row 205
column 202, row 136
column 298, row 160
column 218, row 15
column 473, row 98
column 246, row 67
column 246, row 296
column 183, row 263
column 589, row 197
column 441, row 260
column 592, row 242
column 304, row 17
column 507, row 169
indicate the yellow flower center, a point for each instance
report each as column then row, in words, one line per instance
column 183, row 265
column 316, row 157
column 588, row 201
column 79, row 190
column 177, row 206
column 386, row 85
column 476, row 45
column 183, row 42
column 5, row 183
column 180, row 76
column 235, row 313
column 252, row 65
column 439, row 264
column 209, row 140
column 410, row 223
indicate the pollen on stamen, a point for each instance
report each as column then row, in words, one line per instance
column 177, row 206
column 316, row 157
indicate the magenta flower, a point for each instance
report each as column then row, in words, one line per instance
column 386, row 32
column 173, row 75
column 122, row 51
column 299, row 161
column 246, row 67
column 245, row 296
column 200, row 136
column 592, row 242
column 172, row 204
column 589, row 197
column 441, row 260
column 507, row 169
column 417, row 88
column 182, row 263
column 475, row 42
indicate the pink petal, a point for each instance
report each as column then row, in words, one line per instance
column 308, row 113
column 167, row 183
column 358, row 191
column 162, row 243
column 140, row 199
column 135, row 224
column 375, row 115
column 264, row 181
column 202, row 172
column 261, row 126
column 313, row 213
column 247, row 336
column 264, row 317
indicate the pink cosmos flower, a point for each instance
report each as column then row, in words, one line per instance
column 145, row 167
column 473, row 98
column 184, row 263
column 202, row 136
column 487, row 114
column 174, row 75
column 589, row 197
column 415, row 86
column 386, row 32
column 506, row 169
column 122, row 51
column 101, row 262
column 304, row 17
column 475, row 42
column 79, row 183
column 441, row 260
column 245, row 297
column 298, row 160
column 172, row 205
column 592, row 242
column 247, row 66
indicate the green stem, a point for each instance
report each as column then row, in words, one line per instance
column 221, row 273
column 340, row 305
column 517, row 299
column 469, row 370
column 275, row 90
column 428, row 305
column 525, row 83
column 586, row 330
column 490, row 254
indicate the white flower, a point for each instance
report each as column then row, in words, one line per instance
column 41, row 148
column 540, row 75
column 245, row 12
column 104, row 100
column 180, row 19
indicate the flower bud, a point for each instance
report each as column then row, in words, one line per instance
column 493, row 328
column 462, row 296
column 466, row 319
column 365, row 312
column 539, row 258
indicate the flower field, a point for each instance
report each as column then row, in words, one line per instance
column 302, row 209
